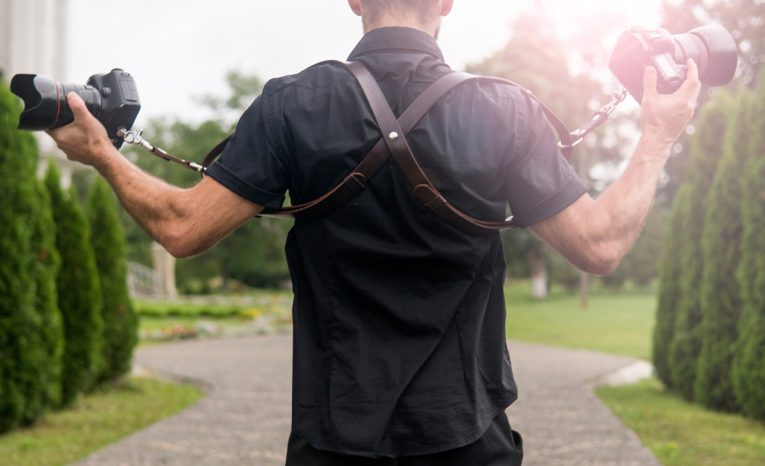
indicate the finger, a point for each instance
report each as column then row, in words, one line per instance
column 693, row 70
column 650, row 81
column 692, row 84
column 79, row 109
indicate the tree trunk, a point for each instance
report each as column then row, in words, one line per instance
column 538, row 276
column 584, row 290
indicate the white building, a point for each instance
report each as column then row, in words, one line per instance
column 33, row 39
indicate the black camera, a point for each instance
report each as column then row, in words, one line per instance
column 712, row 48
column 112, row 98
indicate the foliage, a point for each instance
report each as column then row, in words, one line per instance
column 706, row 151
column 683, row 434
column 748, row 371
column 26, row 356
column 669, row 287
column 79, row 293
column 111, row 413
column 44, row 270
column 721, row 248
column 119, row 317
column 218, row 311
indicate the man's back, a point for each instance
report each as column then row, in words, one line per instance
column 399, row 318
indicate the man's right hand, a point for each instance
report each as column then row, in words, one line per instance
column 663, row 117
column 84, row 140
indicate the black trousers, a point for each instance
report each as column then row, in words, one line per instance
column 499, row 446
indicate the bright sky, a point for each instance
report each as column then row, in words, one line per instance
column 180, row 48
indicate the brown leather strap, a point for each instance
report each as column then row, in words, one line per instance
column 394, row 137
column 353, row 183
column 393, row 142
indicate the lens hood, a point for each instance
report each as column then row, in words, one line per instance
column 42, row 101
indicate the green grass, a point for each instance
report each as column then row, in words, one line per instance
column 96, row 420
column 684, row 434
column 617, row 323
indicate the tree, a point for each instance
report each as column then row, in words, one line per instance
column 119, row 317
column 669, row 289
column 748, row 372
column 79, row 292
column 721, row 247
column 44, row 270
column 706, row 151
column 24, row 360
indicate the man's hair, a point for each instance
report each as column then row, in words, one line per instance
column 423, row 10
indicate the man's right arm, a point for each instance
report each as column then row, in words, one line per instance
column 595, row 234
column 184, row 221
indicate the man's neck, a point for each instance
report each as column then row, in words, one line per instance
column 407, row 22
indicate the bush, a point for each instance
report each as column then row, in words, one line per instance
column 79, row 293
column 44, row 271
column 26, row 365
column 706, row 151
column 669, row 288
column 119, row 317
column 721, row 246
column 748, row 372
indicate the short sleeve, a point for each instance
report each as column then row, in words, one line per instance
column 541, row 182
column 250, row 165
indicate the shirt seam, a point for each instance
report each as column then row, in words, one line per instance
column 241, row 181
column 565, row 186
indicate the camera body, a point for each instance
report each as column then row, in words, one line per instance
column 112, row 98
column 712, row 48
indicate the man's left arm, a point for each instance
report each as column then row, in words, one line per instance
column 184, row 221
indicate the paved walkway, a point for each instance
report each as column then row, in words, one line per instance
column 245, row 418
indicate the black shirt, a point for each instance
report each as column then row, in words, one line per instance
column 399, row 319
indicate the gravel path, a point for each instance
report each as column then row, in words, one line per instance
column 245, row 418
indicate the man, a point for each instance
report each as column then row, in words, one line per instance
column 399, row 346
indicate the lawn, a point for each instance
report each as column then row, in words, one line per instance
column 684, row 434
column 678, row 433
column 617, row 323
column 96, row 420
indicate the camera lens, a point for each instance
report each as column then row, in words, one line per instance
column 712, row 48
column 45, row 105
column 719, row 57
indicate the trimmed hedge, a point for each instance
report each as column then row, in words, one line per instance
column 721, row 248
column 706, row 151
column 119, row 317
column 27, row 361
column 79, row 293
column 748, row 372
column 669, row 288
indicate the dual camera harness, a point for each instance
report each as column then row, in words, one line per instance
column 393, row 144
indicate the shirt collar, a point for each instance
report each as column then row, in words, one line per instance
column 396, row 38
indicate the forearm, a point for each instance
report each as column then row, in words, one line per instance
column 595, row 235
column 156, row 206
column 620, row 213
column 184, row 221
